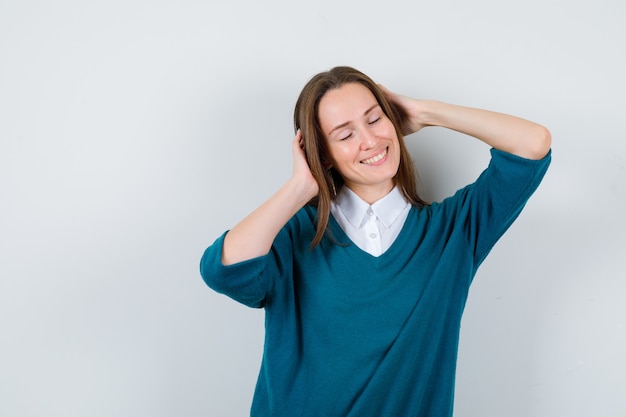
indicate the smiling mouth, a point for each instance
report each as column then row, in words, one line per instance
column 376, row 158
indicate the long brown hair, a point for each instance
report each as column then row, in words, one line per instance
column 330, row 181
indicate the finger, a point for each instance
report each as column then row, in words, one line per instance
column 300, row 138
column 391, row 96
column 385, row 90
column 298, row 143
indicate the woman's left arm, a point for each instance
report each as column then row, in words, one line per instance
column 501, row 131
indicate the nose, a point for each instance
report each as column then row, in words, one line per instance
column 368, row 139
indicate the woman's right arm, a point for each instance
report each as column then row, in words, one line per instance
column 254, row 235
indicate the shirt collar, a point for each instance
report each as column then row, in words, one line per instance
column 387, row 209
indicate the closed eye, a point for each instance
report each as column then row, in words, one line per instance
column 346, row 137
column 374, row 121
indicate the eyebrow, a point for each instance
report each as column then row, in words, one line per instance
column 347, row 123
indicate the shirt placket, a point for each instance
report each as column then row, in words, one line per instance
column 372, row 233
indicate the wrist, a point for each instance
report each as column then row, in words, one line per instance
column 302, row 190
column 431, row 113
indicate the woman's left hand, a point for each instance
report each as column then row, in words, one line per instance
column 410, row 109
column 500, row 131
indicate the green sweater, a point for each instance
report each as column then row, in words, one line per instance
column 350, row 334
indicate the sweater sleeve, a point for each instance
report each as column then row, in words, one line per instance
column 247, row 282
column 251, row 282
column 495, row 200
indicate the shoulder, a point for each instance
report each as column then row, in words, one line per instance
column 304, row 218
column 301, row 226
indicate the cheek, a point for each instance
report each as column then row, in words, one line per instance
column 343, row 150
column 335, row 155
column 386, row 129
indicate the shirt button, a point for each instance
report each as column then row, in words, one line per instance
column 370, row 212
column 373, row 235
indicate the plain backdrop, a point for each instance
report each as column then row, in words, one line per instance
column 133, row 133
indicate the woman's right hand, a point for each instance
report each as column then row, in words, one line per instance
column 253, row 236
column 302, row 176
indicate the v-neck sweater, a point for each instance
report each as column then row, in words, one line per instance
column 351, row 334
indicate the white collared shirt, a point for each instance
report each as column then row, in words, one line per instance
column 373, row 228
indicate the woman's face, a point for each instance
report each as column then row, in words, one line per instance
column 362, row 141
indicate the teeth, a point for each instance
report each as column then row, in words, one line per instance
column 376, row 158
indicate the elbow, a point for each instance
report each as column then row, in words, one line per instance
column 537, row 145
column 208, row 270
column 205, row 273
column 540, row 144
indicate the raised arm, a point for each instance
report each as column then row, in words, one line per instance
column 254, row 235
column 501, row 131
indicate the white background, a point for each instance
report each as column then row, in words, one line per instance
column 133, row 133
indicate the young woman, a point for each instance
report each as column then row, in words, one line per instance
column 362, row 282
